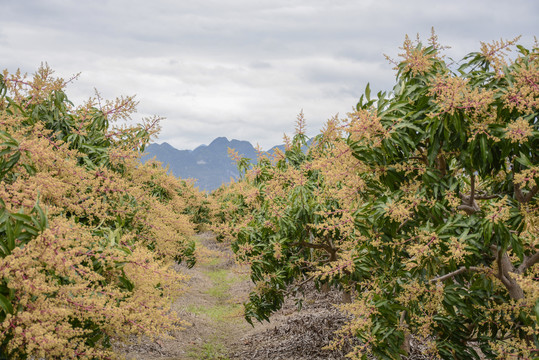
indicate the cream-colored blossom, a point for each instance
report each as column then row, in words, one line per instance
column 518, row 131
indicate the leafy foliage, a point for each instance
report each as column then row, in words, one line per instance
column 87, row 234
column 422, row 202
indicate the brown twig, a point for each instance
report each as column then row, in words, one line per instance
column 519, row 195
column 455, row 273
column 528, row 262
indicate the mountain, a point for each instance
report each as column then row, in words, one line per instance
column 208, row 164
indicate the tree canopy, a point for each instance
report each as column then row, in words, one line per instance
column 421, row 204
column 88, row 235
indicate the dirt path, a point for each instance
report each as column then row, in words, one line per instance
column 218, row 331
column 212, row 305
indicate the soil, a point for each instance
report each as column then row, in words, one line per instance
column 213, row 307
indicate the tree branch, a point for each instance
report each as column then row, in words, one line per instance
column 312, row 246
column 455, row 273
column 528, row 262
column 402, row 225
column 486, row 197
column 406, row 332
column 472, row 189
column 469, row 205
column 501, row 270
column 505, row 268
column 305, row 281
column 468, row 209
column 519, row 195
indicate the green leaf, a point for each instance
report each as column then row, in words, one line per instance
column 10, row 238
column 433, row 150
column 523, row 50
column 524, row 160
column 127, row 284
column 5, row 304
column 22, row 217
column 484, row 149
column 487, row 232
column 42, row 222
column 92, row 340
column 368, row 92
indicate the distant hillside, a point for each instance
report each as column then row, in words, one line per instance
column 209, row 164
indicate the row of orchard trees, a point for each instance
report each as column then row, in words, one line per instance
column 421, row 205
column 87, row 234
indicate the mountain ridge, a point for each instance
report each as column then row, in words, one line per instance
column 209, row 165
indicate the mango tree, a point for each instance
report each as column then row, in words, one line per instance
column 450, row 218
column 423, row 203
column 88, row 235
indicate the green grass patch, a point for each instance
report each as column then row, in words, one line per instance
column 219, row 312
column 218, row 275
column 222, row 280
column 214, row 262
column 212, row 350
column 221, row 284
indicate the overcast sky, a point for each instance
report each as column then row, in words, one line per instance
column 241, row 68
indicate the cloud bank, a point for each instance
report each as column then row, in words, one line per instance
column 237, row 68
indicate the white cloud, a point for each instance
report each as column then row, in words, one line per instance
column 240, row 68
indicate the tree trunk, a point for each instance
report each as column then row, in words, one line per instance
column 325, row 288
column 406, row 347
column 505, row 270
column 346, row 297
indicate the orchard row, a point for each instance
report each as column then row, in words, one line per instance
column 421, row 206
